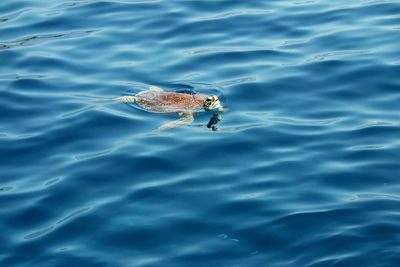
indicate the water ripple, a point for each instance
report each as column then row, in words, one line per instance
column 37, row 39
column 377, row 196
column 303, row 170
column 304, row 122
column 48, row 229
column 235, row 13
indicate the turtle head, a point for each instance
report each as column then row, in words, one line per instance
column 211, row 103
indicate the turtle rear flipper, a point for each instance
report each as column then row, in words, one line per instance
column 126, row 99
column 184, row 119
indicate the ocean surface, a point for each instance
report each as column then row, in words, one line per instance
column 304, row 169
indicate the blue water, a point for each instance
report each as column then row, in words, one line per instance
column 304, row 170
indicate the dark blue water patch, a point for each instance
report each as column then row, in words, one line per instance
column 8, row 56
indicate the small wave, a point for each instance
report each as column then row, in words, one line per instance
column 235, row 13
column 234, row 50
column 52, row 181
column 39, row 233
column 69, row 5
column 23, row 76
column 12, row 16
column 376, row 196
column 93, row 154
column 305, row 3
column 52, row 227
column 237, row 81
column 77, row 112
column 367, row 147
column 5, row 189
column 324, row 122
column 73, row 214
column 36, row 39
column 338, row 54
column 375, row 124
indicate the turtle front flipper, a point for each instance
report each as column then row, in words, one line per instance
column 213, row 121
column 126, row 99
column 184, row 118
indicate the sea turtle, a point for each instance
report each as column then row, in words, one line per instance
column 185, row 105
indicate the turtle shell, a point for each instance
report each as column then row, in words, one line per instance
column 169, row 102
